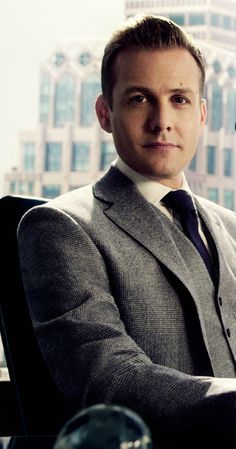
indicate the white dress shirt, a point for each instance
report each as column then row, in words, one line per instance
column 154, row 191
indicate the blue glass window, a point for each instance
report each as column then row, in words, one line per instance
column 193, row 163
column 31, row 187
column 177, row 18
column 213, row 194
column 228, row 162
column 45, row 92
column 196, row 19
column 108, row 154
column 51, row 191
column 211, row 159
column 229, row 199
column 227, row 22
column 80, row 156
column 217, row 107
column 90, row 89
column 59, row 59
column 230, row 111
column 215, row 20
column 12, row 187
column 29, row 157
column 53, row 155
column 65, row 93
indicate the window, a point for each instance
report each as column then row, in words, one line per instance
column 177, row 18
column 53, row 156
column 213, row 194
column 80, row 156
column 29, row 157
column 31, row 187
column 193, row 163
column 226, row 22
column 229, row 199
column 230, row 111
column 44, row 99
column 228, row 162
column 51, row 191
column 215, row 20
column 108, row 154
column 89, row 92
column 211, row 159
column 12, row 187
column 216, row 108
column 196, row 19
column 65, row 100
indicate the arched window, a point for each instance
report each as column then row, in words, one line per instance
column 89, row 92
column 45, row 92
column 230, row 111
column 216, row 107
column 65, row 100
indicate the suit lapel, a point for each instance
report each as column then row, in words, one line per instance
column 126, row 207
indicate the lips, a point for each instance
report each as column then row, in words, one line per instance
column 160, row 145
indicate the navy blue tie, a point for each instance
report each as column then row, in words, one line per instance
column 181, row 202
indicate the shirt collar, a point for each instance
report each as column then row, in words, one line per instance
column 152, row 191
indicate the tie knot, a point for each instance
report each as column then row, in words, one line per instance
column 179, row 201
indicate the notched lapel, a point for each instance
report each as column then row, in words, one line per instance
column 127, row 208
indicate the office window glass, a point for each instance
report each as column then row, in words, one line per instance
column 29, row 157
column 229, row 199
column 227, row 22
column 53, row 156
column 196, row 19
column 230, row 111
column 80, row 156
column 213, row 194
column 51, row 190
column 217, row 108
column 12, row 187
column 108, row 154
column 215, row 20
column 44, row 98
column 228, row 162
column 90, row 89
column 65, row 96
column 177, row 18
column 193, row 163
column 211, row 159
column 31, row 187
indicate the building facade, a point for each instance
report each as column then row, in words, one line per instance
column 68, row 149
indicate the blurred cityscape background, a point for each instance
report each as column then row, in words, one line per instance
column 67, row 149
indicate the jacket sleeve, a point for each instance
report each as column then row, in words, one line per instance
column 84, row 341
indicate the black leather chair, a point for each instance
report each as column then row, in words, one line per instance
column 42, row 409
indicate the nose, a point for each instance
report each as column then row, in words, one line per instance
column 160, row 119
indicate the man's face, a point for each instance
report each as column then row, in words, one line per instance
column 157, row 112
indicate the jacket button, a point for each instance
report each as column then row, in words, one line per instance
column 228, row 332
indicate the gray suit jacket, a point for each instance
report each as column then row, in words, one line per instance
column 125, row 310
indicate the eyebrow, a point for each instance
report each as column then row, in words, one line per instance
column 146, row 90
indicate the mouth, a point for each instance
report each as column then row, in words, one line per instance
column 160, row 145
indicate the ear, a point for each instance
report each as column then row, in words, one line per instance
column 203, row 111
column 103, row 115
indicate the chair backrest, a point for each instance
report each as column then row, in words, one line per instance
column 41, row 405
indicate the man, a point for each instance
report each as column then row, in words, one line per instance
column 125, row 308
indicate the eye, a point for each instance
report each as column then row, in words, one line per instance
column 179, row 99
column 138, row 99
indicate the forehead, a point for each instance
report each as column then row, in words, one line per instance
column 172, row 68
